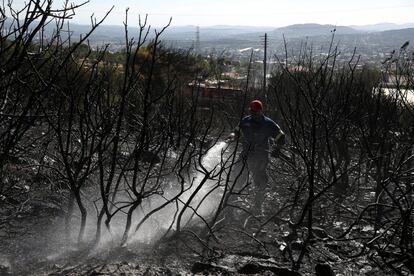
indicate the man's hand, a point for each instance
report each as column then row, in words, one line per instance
column 231, row 138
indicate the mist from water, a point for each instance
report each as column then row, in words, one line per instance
column 206, row 206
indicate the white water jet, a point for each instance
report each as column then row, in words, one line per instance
column 212, row 163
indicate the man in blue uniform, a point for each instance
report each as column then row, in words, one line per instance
column 256, row 130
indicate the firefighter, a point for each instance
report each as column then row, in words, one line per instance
column 256, row 131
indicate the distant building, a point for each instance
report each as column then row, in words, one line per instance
column 213, row 92
column 404, row 95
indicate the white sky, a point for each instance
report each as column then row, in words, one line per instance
column 249, row 13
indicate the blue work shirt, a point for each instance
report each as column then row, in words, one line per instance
column 256, row 133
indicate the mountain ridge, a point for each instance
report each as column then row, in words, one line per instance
column 237, row 37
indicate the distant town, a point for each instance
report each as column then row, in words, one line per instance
column 372, row 43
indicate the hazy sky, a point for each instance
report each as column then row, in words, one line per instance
column 253, row 12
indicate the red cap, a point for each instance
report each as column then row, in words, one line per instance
column 256, row 106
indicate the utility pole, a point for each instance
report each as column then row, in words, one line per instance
column 265, row 68
column 197, row 44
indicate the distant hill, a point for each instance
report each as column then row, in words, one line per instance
column 238, row 37
column 307, row 30
column 392, row 37
column 212, row 32
column 175, row 34
column 382, row 27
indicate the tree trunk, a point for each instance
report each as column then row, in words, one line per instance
column 129, row 222
column 68, row 218
column 84, row 214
